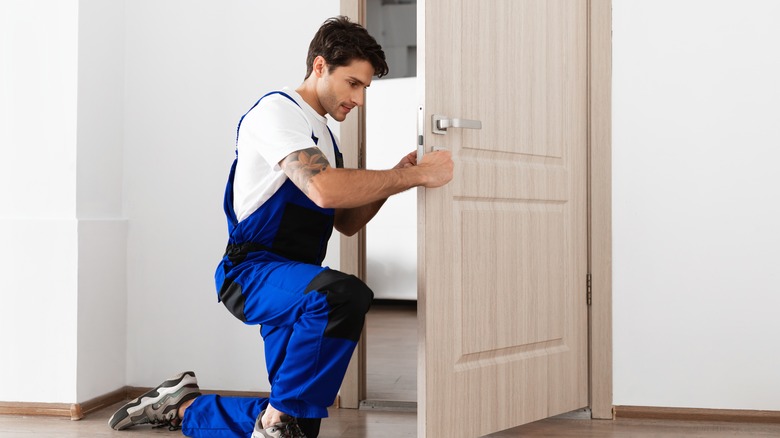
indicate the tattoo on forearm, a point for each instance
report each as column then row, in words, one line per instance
column 302, row 166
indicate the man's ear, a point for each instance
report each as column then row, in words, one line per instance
column 319, row 66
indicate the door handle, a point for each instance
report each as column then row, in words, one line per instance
column 442, row 123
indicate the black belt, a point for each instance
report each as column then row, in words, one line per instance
column 237, row 252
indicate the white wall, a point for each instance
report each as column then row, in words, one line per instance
column 101, row 79
column 111, row 217
column 64, row 239
column 102, row 307
column 38, row 43
column 102, row 229
column 696, row 192
column 38, row 228
column 192, row 70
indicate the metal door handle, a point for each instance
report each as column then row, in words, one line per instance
column 441, row 123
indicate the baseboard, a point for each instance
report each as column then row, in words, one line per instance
column 74, row 411
column 388, row 405
column 694, row 414
column 47, row 409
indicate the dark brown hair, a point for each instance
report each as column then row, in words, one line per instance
column 340, row 41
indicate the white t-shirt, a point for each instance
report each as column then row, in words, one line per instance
column 272, row 130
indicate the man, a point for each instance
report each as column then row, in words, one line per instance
column 286, row 192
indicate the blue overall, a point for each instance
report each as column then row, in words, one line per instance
column 311, row 316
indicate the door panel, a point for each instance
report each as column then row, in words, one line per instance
column 503, row 247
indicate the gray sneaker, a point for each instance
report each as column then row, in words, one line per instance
column 159, row 406
column 287, row 428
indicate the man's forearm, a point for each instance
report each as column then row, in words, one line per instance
column 351, row 188
column 349, row 221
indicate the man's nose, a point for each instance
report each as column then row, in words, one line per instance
column 359, row 97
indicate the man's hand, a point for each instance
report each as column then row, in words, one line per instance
column 438, row 167
column 408, row 161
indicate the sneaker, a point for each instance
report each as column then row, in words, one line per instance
column 287, row 428
column 159, row 406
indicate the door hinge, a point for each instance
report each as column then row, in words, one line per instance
column 589, row 289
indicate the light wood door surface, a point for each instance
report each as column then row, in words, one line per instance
column 503, row 248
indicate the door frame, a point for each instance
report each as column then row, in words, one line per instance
column 353, row 249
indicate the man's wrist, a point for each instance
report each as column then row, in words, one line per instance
column 415, row 177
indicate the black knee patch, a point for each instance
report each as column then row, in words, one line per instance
column 231, row 296
column 349, row 300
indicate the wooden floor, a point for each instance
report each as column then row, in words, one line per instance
column 391, row 352
column 392, row 371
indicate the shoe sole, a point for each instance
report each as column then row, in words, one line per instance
column 134, row 410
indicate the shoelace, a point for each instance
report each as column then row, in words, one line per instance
column 290, row 429
column 168, row 420
column 293, row 430
column 170, row 425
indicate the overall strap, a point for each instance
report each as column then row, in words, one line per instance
column 336, row 151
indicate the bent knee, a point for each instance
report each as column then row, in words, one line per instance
column 352, row 294
column 348, row 300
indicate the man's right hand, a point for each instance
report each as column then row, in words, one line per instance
column 438, row 167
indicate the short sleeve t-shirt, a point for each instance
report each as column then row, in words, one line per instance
column 271, row 131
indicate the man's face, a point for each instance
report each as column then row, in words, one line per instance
column 343, row 88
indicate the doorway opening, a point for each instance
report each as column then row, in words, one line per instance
column 391, row 237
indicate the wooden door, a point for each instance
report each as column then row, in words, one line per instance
column 503, row 248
